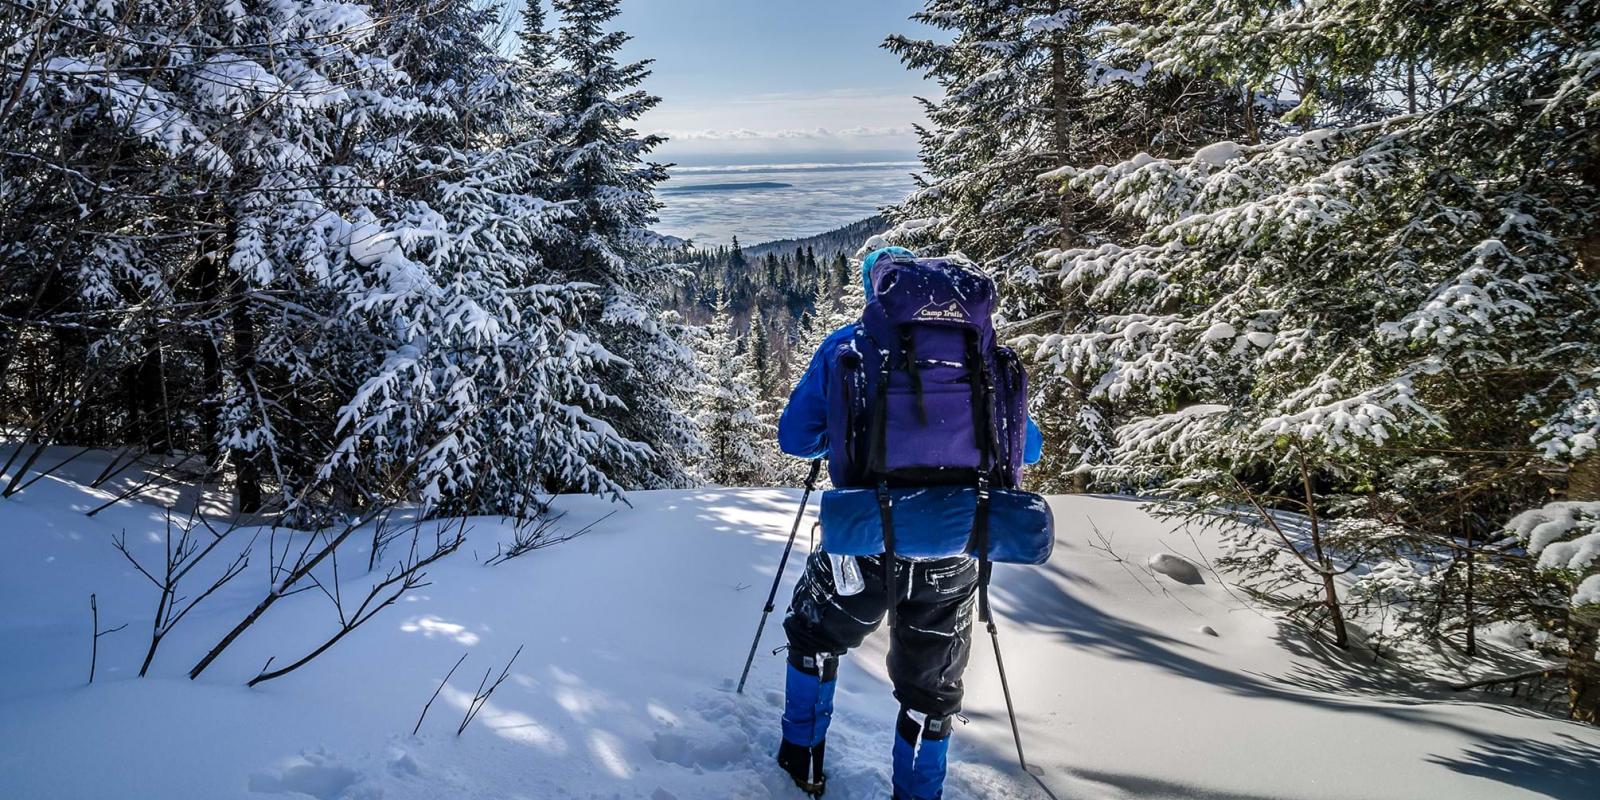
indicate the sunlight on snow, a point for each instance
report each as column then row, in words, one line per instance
column 607, row 749
column 511, row 725
column 430, row 626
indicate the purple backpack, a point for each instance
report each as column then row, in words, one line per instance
column 921, row 395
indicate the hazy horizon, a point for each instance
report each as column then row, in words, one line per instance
column 785, row 196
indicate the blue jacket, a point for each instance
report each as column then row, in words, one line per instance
column 803, row 428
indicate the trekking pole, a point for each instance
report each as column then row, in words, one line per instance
column 1005, row 688
column 811, row 483
column 1016, row 735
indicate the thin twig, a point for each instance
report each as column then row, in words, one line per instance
column 435, row 695
column 94, row 641
column 480, row 698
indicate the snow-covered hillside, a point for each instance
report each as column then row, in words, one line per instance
column 633, row 636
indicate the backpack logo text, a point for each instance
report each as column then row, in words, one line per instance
column 948, row 311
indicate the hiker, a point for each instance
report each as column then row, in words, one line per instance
column 890, row 401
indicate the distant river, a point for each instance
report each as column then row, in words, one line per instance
column 764, row 202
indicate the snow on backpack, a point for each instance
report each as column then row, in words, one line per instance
column 927, row 419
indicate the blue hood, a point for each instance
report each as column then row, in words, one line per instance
column 872, row 260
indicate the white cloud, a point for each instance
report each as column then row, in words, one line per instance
column 799, row 124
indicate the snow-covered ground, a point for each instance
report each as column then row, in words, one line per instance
column 633, row 636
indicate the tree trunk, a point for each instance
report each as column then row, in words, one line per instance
column 1583, row 479
column 1252, row 129
column 211, row 378
column 147, row 398
column 1583, row 672
column 1062, row 138
column 1330, row 593
column 1469, row 611
column 208, row 284
column 1330, row 589
column 244, row 356
column 10, row 334
column 1061, row 120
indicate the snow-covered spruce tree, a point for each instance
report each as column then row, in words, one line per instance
column 1028, row 86
column 609, row 188
column 763, row 361
column 536, row 46
column 827, row 315
column 1382, row 321
column 488, row 385
column 761, row 355
column 170, row 171
column 737, row 440
column 310, row 242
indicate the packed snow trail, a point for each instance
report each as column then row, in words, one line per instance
column 634, row 637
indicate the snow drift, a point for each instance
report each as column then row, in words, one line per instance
column 1128, row 686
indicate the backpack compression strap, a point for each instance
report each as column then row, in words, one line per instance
column 908, row 351
column 891, row 589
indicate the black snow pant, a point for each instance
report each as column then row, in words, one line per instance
column 932, row 637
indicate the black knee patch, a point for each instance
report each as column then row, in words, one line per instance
column 825, row 666
column 931, row 728
column 907, row 728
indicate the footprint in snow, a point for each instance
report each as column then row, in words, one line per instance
column 1177, row 568
column 314, row 774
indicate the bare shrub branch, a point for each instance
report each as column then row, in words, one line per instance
column 183, row 553
column 537, row 534
column 94, row 641
column 435, row 695
column 481, row 697
column 401, row 578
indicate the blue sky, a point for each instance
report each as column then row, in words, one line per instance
column 777, row 80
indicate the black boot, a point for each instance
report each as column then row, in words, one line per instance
column 804, row 765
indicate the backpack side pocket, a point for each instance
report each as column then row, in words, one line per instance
column 846, row 393
column 1011, row 410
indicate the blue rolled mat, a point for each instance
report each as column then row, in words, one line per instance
column 936, row 522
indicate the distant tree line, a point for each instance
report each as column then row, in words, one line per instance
column 764, row 311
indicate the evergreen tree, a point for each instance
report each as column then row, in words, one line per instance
column 1029, row 86
column 1382, row 320
column 844, row 275
column 609, row 183
column 213, row 249
column 762, row 360
column 736, row 438
column 829, row 314
column 539, row 415
column 537, row 49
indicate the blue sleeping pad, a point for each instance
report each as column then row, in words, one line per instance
column 936, row 522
